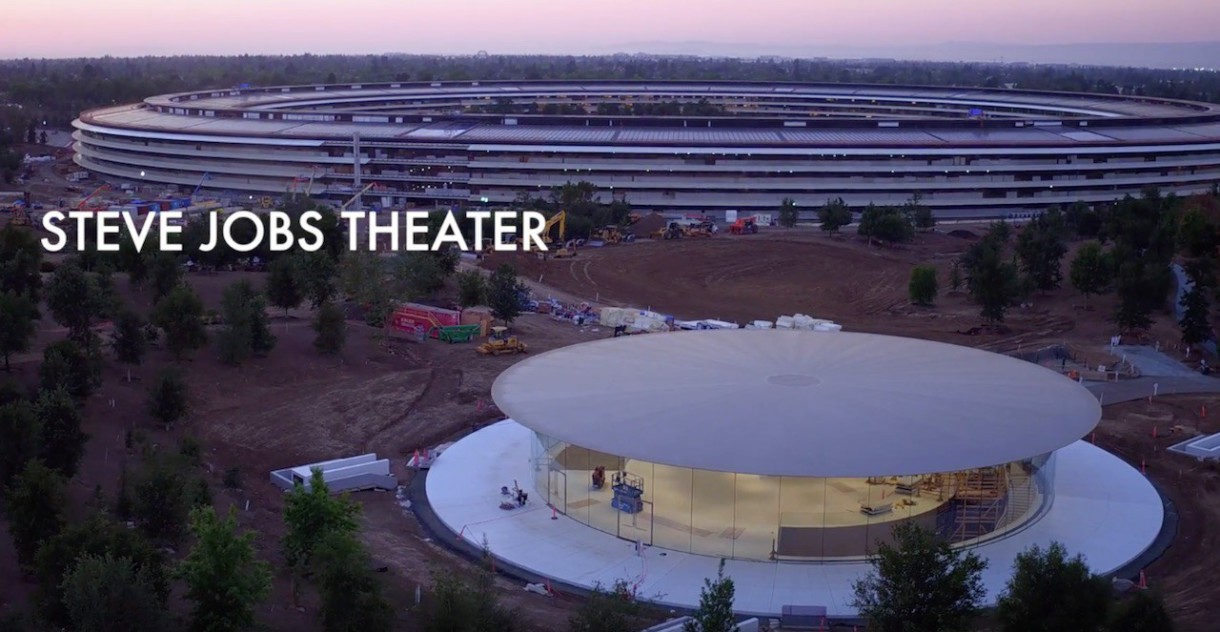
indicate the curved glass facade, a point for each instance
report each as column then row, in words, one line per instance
column 746, row 516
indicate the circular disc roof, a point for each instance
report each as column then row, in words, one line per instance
column 797, row 403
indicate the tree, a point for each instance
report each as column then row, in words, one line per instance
column 1143, row 611
column 715, row 613
column 351, row 596
column 955, row 276
column 419, row 275
column 612, row 610
column 224, row 580
column 330, row 323
column 20, row 439
column 34, row 506
column 917, row 214
column 74, row 300
column 1195, row 320
column 310, row 515
column 246, row 331
column 165, row 273
column 1041, row 251
column 282, row 288
column 180, row 315
column 96, row 536
column 835, row 214
column 1136, row 296
column 18, row 323
column 504, row 293
column 1049, row 591
column 168, row 401
column 31, row 134
column 112, row 594
column 63, row 442
column 455, row 605
column 788, row 213
column 315, row 276
column 990, row 281
column 886, row 224
column 42, row 137
column 66, row 364
column 164, row 491
column 1090, row 271
column 1197, row 236
column 128, row 340
column 920, row 584
column 20, row 262
column 472, row 288
column 923, row 285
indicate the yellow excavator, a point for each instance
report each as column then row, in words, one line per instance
column 501, row 343
column 559, row 248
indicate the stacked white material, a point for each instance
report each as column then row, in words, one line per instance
column 633, row 319
column 688, row 325
column 616, row 316
column 827, row 327
column 717, row 324
column 760, row 324
column 801, row 321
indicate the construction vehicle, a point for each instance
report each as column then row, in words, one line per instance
column 20, row 216
column 673, row 231
column 501, row 343
column 343, row 207
column 705, row 228
column 80, row 206
column 744, row 226
column 613, row 235
column 559, row 219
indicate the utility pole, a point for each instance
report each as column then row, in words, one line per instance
column 356, row 169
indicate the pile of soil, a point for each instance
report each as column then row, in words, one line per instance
column 963, row 234
column 648, row 225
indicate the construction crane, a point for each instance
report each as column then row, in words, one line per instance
column 206, row 177
column 85, row 200
column 348, row 203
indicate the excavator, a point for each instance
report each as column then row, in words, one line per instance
column 565, row 249
column 744, row 226
column 613, row 235
column 501, row 343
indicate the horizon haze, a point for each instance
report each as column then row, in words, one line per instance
column 1169, row 33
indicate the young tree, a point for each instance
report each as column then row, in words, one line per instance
column 63, row 442
column 18, row 323
column 923, row 285
column 282, row 289
column 224, row 578
column 20, row 263
column 920, row 584
column 112, row 594
column 788, row 213
column 504, row 294
column 168, row 400
column 165, row 274
column 75, row 300
column 1049, row 591
column 1195, row 321
column 1041, row 251
column 42, row 137
column 1143, row 611
column 472, row 288
column 715, row 613
column 1090, row 271
column 612, row 610
column 66, row 364
column 246, row 331
column 310, row 515
column 955, row 276
column 34, row 506
column 128, row 340
column 1197, row 236
column 1136, row 297
column 315, row 276
column 351, row 596
column 331, row 326
column 453, row 604
column 990, row 281
column 164, row 491
column 180, row 315
column 20, row 439
column 834, row 215
column 886, row 224
column 920, row 216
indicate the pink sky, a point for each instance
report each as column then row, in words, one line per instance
column 166, row 27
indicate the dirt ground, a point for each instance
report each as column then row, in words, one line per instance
column 295, row 406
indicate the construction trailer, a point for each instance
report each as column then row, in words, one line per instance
column 355, row 473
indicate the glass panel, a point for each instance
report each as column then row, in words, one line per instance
column 756, row 514
column 712, row 527
column 633, row 501
column 670, row 490
column 602, row 515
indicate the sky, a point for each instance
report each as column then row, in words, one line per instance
column 78, row 28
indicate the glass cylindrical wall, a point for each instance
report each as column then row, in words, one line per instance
column 746, row 516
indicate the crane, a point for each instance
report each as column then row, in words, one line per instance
column 206, row 176
column 348, row 203
column 80, row 206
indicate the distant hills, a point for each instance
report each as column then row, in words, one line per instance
column 1147, row 55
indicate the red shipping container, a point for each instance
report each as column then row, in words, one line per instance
column 413, row 318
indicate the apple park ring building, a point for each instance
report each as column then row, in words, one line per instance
column 698, row 146
column 791, row 454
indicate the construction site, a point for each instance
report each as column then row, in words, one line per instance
column 404, row 395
